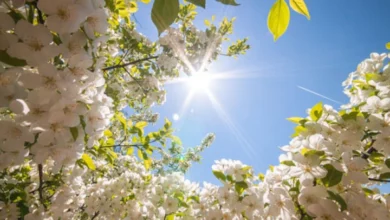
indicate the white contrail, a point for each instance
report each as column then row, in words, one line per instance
column 312, row 92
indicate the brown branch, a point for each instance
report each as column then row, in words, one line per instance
column 40, row 187
column 130, row 63
column 379, row 180
column 95, row 215
column 130, row 145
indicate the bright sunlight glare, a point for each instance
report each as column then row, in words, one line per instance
column 200, row 81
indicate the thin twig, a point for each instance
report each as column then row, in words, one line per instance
column 124, row 145
column 136, row 80
column 40, row 187
column 95, row 215
column 129, row 145
column 130, row 63
column 379, row 180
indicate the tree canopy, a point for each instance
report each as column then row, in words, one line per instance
column 69, row 68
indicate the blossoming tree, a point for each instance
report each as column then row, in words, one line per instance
column 69, row 68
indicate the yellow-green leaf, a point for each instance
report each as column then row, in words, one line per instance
column 112, row 154
column 300, row 7
column 316, row 112
column 141, row 124
column 261, row 176
column 388, row 46
column 130, row 151
column 170, row 217
column 207, row 23
column 133, row 7
column 278, row 18
column 122, row 120
column 147, row 163
column 145, row 1
column 88, row 160
column 110, row 142
column 295, row 120
column 107, row 133
column 140, row 154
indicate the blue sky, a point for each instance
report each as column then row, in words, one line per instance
column 317, row 54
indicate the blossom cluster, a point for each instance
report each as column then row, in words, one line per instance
column 58, row 97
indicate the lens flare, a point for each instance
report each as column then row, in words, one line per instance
column 200, row 81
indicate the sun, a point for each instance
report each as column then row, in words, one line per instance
column 200, row 81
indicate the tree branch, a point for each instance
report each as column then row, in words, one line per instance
column 129, row 145
column 379, row 180
column 95, row 215
column 130, row 63
column 40, row 187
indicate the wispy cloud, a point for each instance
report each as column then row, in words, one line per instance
column 317, row 94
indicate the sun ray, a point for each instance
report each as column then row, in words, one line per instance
column 186, row 104
column 246, row 146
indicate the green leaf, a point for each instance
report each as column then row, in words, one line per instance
column 195, row 198
column 141, row 124
column 170, row 217
column 201, row 3
column 298, row 130
column 316, row 111
column 338, row 199
column 75, row 132
column 5, row 58
column 164, row 13
column 228, row 2
column 300, row 7
column 387, row 162
column 88, row 161
column 219, row 175
column 333, row 177
column 240, row 187
column 147, row 163
column 368, row 191
column 110, row 142
column 278, row 18
column 167, row 124
column 261, row 177
column 297, row 120
column 122, row 120
column 130, row 151
column 107, row 133
column 288, row 163
column 384, row 176
column 309, row 152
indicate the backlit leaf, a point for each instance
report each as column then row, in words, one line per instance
column 316, row 112
column 300, row 7
column 201, row 3
column 88, row 161
column 333, row 177
column 164, row 13
column 228, row 2
column 278, row 18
